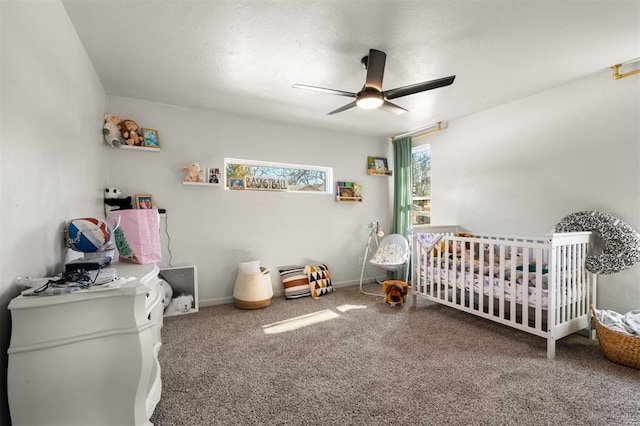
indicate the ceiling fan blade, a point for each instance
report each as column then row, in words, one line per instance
column 323, row 90
column 418, row 87
column 393, row 108
column 375, row 69
column 343, row 108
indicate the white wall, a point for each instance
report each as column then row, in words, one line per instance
column 521, row 167
column 53, row 160
column 214, row 228
column 518, row 168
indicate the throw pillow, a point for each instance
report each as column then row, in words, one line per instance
column 295, row 282
column 319, row 280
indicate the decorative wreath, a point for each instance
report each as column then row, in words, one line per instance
column 621, row 243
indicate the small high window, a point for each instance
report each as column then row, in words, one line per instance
column 253, row 174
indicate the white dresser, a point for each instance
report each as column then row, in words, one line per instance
column 89, row 357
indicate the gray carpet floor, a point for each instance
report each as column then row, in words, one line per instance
column 349, row 359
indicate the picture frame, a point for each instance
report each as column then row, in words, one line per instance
column 236, row 184
column 144, row 201
column 213, row 175
column 150, row 138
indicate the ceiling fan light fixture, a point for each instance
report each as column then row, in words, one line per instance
column 372, row 96
column 369, row 100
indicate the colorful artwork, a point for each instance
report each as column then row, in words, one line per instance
column 378, row 166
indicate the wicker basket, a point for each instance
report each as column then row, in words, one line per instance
column 617, row 347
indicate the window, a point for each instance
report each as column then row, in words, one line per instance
column 298, row 178
column 421, row 183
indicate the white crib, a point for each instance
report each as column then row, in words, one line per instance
column 535, row 284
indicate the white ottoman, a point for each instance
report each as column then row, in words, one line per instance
column 253, row 291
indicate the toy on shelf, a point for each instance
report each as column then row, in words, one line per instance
column 194, row 172
column 348, row 191
column 111, row 132
column 112, row 200
column 129, row 130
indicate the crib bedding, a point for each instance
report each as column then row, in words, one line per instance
column 481, row 283
column 491, row 275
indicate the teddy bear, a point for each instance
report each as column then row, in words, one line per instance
column 129, row 130
column 112, row 200
column 111, row 132
column 167, row 292
column 179, row 305
column 194, row 172
column 395, row 292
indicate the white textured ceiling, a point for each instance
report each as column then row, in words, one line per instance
column 244, row 56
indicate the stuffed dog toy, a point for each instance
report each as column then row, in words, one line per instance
column 395, row 291
column 179, row 305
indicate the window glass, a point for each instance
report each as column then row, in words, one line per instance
column 421, row 183
column 295, row 177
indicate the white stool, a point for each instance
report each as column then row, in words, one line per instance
column 253, row 291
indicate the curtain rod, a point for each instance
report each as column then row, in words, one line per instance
column 616, row 69
column 436, row 127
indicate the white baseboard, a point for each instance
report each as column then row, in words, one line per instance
column 280, row 292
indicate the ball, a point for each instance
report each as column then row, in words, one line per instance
column 87, row 235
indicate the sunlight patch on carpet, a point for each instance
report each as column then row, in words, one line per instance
column 299, row 322
column 345, row 308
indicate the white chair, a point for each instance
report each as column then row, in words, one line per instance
column 392, row 253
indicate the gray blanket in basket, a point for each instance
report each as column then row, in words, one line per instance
column 628, row 323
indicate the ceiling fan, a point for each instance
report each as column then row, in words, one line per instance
column 372, row 96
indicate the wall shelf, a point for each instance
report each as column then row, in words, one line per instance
column 340, row 199
column 201, row 183
column 348, row 192
column 380, row 173
column 140, row 148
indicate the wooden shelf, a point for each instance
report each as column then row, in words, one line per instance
column 201, row 183
column 377, row 173
column 140, row 148
column 340, row 199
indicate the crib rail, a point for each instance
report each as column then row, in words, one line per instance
column 535, row 284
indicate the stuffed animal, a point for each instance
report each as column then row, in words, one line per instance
column 129, row 130
column 194, row 172
column 112, row 200
column 111, row 132
column 179, row 305
column 395, row 292
column 167, row 292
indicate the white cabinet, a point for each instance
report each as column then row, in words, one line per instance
column 89, row 357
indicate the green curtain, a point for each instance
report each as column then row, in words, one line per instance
column 402, row 191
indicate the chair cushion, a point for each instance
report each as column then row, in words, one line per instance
column 390, row 254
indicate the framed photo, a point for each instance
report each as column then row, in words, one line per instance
column 150, row 137
column 144, row 201
column 213, row 175
column 236, row 184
